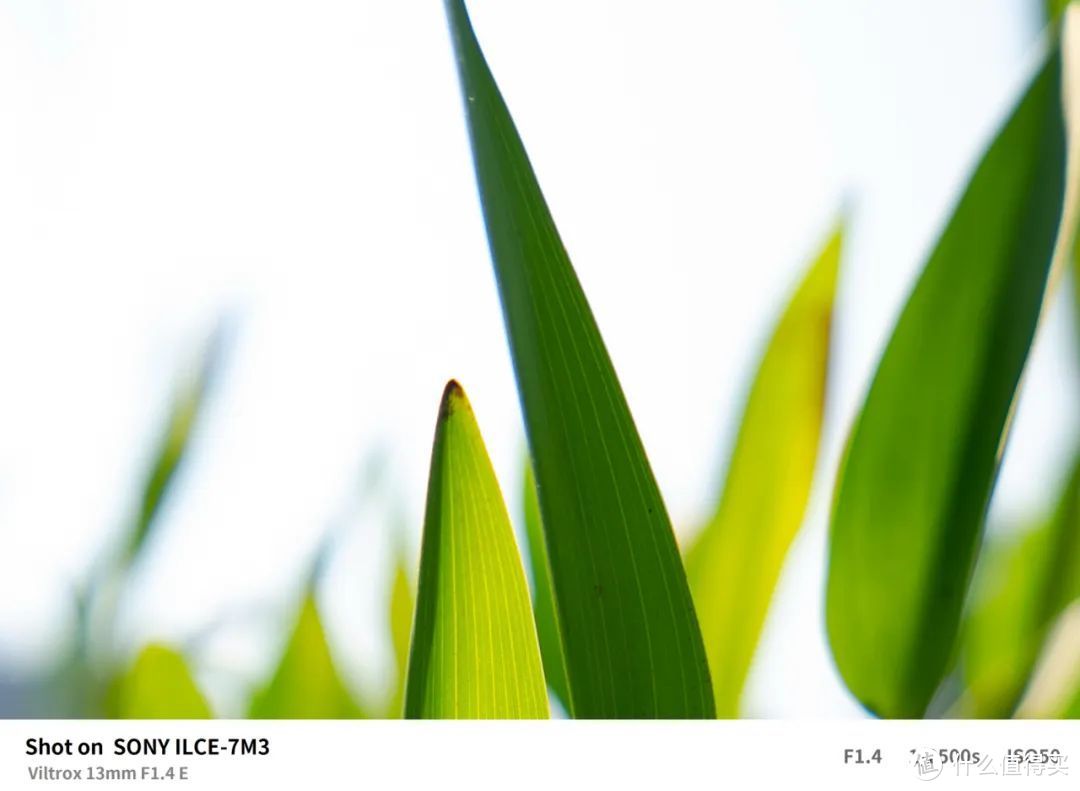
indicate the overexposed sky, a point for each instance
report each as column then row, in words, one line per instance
column 304, row 166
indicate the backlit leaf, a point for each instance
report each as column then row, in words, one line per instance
column 924, row 453
column 735, row 562
column 402, row 602
column 306, row 683
column 474, row 651
column 1022, row 586
column 157, row 686
column 631, row 641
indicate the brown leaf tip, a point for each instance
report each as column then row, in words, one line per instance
column 453, row 398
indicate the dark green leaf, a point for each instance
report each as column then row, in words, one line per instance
column 630, row 636
column 923, row 455
column 547, row 628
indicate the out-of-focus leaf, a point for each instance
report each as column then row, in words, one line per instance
column 735, row 561
column 306, row 684
column 187, row 404
column 158, row 686
column 1022, row 585
column 923, row 455
column 474, row 652
column 1054, row 8
column 400, row 618
column 547, row 627
column 631, row 641
column 1054, row 691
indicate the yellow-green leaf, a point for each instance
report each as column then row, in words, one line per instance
column 924, row 452
column 735, row 562
column 306, row 683
column 158, row 686
column 631, row 641
column 1022, row 586
column 400, row 617
column 547, row 627
column 474, row 651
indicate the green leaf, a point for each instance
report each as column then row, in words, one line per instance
column 474, row 651
column 187, row 405
column 547, row 626
column 1054, row 691
column 1022, row 585
column 924, row 453
column 735, row 561
column 306, row 684
column 400, row 617
column 630, row 636
column 158, row 686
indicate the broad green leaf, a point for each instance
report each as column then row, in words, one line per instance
column 306, row 684
column 158, row 686
column 1022, row 585
column 474, row 651
column 400, row 617
column 631, row 641
column 924, row 452
column 547, row 627
column 734, row 563
column 187, row 405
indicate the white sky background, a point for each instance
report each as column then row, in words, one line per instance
column 306, row 165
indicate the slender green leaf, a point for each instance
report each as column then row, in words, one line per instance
column 547, row 627
column 474, row 651
column 630, row 636
column 306, row 683
column 735, row 562
column 923, row 455
column 187, row 405
column 1022, row 585
column 399, row 619
column 158, row 686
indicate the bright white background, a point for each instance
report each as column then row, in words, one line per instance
column 305, row 166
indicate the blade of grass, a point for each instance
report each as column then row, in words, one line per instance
column 547, row 627
column 474, row 651
column 735, row 561
column 630, row 636
column 924, row 453
column 306, row 683
column 158, row 685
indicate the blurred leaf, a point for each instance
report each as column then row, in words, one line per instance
column 1054, row 8
column 474, row 651
column 187, row 405
column 735, row 562
column 1054, row 691
column 158, row 686
column 400, row 618
column 631, row 641
column 547, row 627
column 1022, row 585
column 306, row 684
column 923, row 455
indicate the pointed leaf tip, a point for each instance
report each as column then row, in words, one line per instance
column 474, row 650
